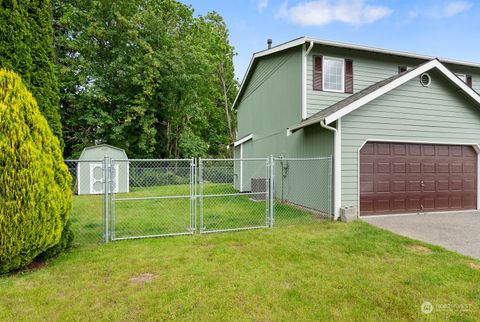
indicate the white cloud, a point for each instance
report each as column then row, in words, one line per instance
column 451, row 9
column 323, row 12
column 262, row 4
column 441, row 11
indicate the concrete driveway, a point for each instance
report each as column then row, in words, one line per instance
column 457, row 231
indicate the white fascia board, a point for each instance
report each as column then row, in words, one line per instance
column 243, row 140
column 402, row 80
column 389, row 52
column 305, row 123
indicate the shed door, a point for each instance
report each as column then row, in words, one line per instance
column 96, row 178
column 409, row 178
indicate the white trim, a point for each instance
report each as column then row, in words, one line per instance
column 337, row 166
column 243, row 140
column 463, row 77
column 241, row 168
column 306, row 52
column 337, row 170
column 400, row 81
column 342, row 60
column 475, row 146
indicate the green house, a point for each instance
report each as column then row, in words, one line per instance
column 403, row 128
column 90, row 169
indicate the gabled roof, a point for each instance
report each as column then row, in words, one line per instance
column 302, row 40
column 103, row 145
column 351, row 103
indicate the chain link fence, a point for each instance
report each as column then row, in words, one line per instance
column 124, row 199
column 233, row 194
column 151, row 198
column 302, row 189
column 87, row 216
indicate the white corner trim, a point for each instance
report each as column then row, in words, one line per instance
column 241, row 168
column 243, row 140
column 337, row 166
column 305, row 53
column 400, row 81
column 337, row 159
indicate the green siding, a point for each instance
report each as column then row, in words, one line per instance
column 411, row 112
column 272, row 100
column 271, row 103
column 368, row 68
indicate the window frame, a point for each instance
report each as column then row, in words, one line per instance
column 463, row 77
column 342, row 60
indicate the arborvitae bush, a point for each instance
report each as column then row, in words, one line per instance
column 35, row 184
column 26, row 47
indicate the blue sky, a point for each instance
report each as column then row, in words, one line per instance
column 439, row 28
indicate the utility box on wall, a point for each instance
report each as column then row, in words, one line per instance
column 90, row 169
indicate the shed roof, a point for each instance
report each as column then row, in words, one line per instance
column 99, row 146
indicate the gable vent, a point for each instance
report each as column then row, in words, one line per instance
column 425, row 79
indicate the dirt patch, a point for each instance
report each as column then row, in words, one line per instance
column 143, row 278
column 37, row 264
column 420, row 249
column 474, row 266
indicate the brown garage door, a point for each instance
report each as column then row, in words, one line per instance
column 403, row 178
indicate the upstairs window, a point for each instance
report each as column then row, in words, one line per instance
column 332, row 74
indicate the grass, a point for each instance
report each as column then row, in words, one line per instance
column 303, row 269
column 317, row 271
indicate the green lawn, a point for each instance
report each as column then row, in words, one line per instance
column 317, row 271
column 302, row 269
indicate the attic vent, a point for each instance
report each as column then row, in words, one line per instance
column 425, row 79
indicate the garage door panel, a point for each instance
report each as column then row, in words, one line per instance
column 414, row 167
column 469, row 167
column 402, row 177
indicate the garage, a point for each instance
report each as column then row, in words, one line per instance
column 411, row 177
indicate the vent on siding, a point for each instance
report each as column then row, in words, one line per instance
column 425, row 79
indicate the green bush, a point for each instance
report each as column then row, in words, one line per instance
column 35, row 192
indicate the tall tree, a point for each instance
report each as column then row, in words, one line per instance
column 26, row 47
column 143, row 75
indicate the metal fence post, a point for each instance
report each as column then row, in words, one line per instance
column 200, row 192
column 330, row 187
column 192, row 194
column 271, row 190
column 106, row 189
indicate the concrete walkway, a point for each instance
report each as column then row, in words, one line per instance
column 457, row 231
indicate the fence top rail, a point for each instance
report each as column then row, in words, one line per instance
column 72, row 161
column 152, row 160
column 244, row 159
column 302, row 159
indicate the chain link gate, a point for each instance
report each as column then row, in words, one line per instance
column 151, row 198
column 164, row 197
column 234, row 194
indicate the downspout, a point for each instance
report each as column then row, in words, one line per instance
column 309, row 48
column 336, row 166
